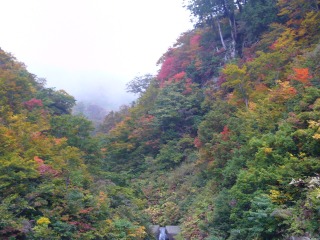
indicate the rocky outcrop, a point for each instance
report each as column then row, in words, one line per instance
column 172, row 231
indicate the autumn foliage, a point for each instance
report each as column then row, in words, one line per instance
column 302, row 75
column 224, row 141
column 32, row 103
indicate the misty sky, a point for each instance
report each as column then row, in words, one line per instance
column 91, row 48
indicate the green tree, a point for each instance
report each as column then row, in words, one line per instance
column 139, row 84
column 256, row 18
column 58, row 102
column 237, row 79
column 76, row 129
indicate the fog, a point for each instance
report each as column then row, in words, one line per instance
column 91, row 86
column 91, row 48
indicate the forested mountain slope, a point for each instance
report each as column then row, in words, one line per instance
column 51, row 184
column 224, row 141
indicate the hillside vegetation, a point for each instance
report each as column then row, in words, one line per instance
column 224, row 141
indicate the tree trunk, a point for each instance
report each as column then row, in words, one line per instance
column 239, row 6
column 221, row 36
column 233, row 41
column 246, row 100
column 230, row 14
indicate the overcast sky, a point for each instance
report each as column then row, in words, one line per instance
column 91, row 47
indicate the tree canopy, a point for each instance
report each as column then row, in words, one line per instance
column 223, row 141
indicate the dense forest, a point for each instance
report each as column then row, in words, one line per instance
column 223, row 141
